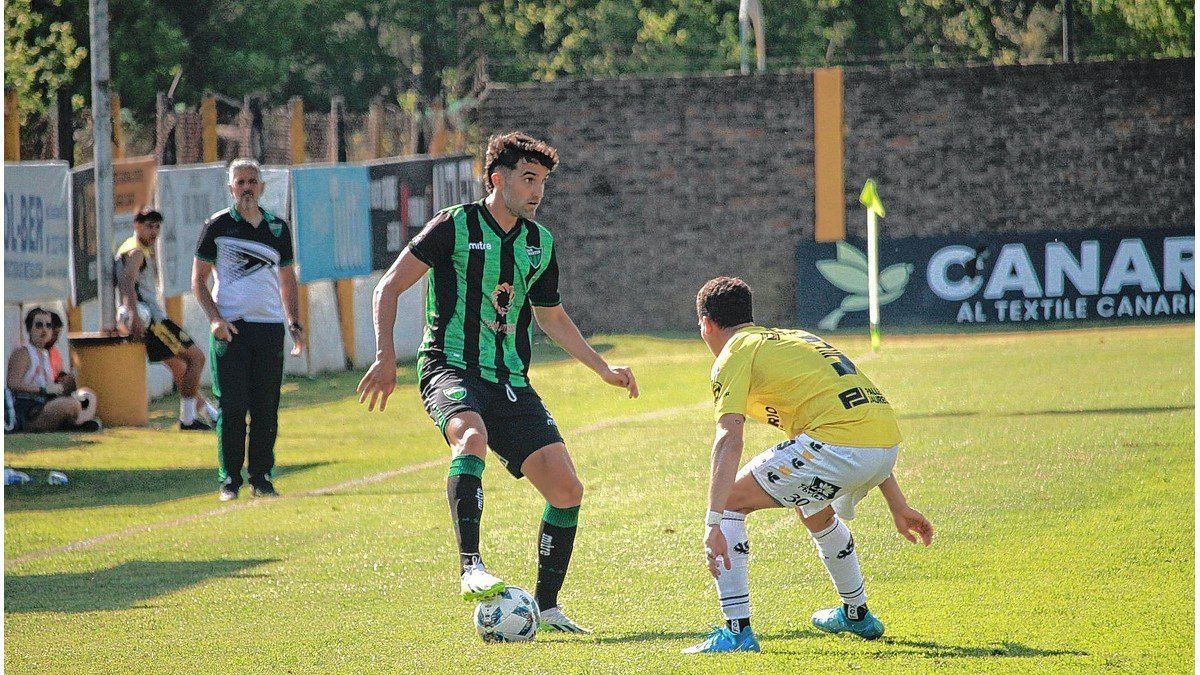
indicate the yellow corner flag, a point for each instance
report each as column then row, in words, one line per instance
column 870, row 198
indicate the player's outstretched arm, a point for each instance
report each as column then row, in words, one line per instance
column 726, row 453
column 380, row 380
column 559, row 326
column 909, row 522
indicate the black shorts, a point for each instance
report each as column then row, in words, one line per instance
column 164, row 339
column 518, row 423
column 27, row 407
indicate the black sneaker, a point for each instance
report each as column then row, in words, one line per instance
column 227, row 494
column 264, row 490
column 90, row 426
column 195, row 425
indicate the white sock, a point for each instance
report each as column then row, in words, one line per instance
column 187, row 410
column 733, row 585
column 211, row 411
column 835, row 544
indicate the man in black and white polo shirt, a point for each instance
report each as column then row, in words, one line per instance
column 254, row 295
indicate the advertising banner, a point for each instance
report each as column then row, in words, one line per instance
column 277, row 196
column 332, row 221
column 133, row 188
column 186, row 196
column 37, row 231
column 401, row 204
column 454, row 182
column 1002, row 281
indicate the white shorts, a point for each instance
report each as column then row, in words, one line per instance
column 809, row 474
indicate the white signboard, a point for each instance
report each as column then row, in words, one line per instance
column 276, row 198
column 454, row 182
column 37, row 231
column 186, row 196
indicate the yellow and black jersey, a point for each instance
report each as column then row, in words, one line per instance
column 794, row 380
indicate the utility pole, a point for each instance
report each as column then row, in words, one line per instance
column 1068, row 28
column 103, row 156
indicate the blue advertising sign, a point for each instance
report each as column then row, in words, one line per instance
column 332, row 221
column 1002, row 280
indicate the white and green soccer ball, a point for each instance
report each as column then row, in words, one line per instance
column 511, row 616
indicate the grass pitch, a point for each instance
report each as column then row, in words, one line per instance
column 1057, row 467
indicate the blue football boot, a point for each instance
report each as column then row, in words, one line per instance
column 835, row 621
column 724, row 640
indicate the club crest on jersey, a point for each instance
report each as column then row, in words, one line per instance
column 535, row 255
column 502, row 298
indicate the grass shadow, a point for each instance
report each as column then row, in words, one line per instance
column 122, row 587
column 21, row 442
column 90, row 488
column 1134, row 410
column 931, row 649
column 646, row 636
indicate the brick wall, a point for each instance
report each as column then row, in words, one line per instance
column 668, row 181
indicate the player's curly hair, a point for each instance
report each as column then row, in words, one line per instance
column 508, row 149
column 727, row 301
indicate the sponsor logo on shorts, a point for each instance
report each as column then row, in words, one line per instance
column 456, row 393
column 820, row 489
column 742, row 547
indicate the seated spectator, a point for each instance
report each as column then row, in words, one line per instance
column 39, row 402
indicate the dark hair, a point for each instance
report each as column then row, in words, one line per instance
column 55, row 320
column 147, row 214
column 34, row 312
column 507, row 150
column 727, row 301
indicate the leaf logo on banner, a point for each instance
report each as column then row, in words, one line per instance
column 848, row 272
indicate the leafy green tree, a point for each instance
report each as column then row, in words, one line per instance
column 41, row 55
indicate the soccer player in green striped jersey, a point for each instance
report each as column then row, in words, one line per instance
column 491, row 271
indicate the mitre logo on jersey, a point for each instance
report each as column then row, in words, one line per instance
column 535, row 255
column 716, row 389
column 502, row 298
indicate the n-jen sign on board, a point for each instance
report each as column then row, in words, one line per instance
column 1005, row 281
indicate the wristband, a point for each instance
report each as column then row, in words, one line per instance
column 712, row 519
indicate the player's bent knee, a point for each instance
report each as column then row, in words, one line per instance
column 569, row 494
column 194, row 356
column 469, row 440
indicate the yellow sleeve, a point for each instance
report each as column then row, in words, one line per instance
column 731, row 383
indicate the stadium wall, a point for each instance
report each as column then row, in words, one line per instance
column 667, row 181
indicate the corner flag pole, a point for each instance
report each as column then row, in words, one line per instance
column 870, row 199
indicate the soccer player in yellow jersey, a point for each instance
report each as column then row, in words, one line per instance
column 843, row 440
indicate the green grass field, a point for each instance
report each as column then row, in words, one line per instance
column 1057, row 466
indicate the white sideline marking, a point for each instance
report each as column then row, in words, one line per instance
column 344, row 485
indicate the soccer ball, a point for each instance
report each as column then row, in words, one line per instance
column 125, row 319
column 511, row 616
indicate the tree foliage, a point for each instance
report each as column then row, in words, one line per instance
column 425, row 50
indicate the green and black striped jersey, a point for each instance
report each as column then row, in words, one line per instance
column 482, row 283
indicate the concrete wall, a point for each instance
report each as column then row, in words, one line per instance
column 666, row 182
